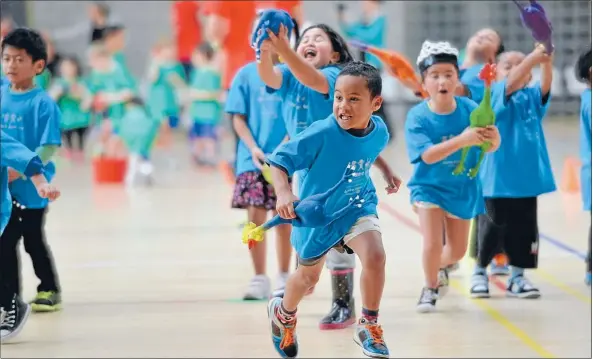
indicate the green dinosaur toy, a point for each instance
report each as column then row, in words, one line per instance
column 482, row 116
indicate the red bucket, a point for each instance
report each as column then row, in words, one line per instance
column 109, row 170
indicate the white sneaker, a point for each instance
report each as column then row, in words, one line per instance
column 280, row 285
column 258, row 289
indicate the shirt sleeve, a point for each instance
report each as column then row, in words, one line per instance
column 331, row 75
column 300, row 152
column 537, row 101
column 48, row 121
column 417, row 138
column 15, row 155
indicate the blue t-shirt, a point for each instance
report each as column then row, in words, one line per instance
column 33, row 119
column 262, row 111
column 521, row 167
column 435, row 183
column 302, row 105
column 15, row 155
column 321, row 154
column 586, row 149
column 469, row 77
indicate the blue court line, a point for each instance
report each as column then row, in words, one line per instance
column 563, row 246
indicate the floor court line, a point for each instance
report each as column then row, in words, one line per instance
column 494, row 314
column 539, row 272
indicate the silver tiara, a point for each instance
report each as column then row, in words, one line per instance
column 435, row 48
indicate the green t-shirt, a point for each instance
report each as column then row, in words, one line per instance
column 162, row 97
column 138, row 130
column 43, row 79
column 206, row 111
column 111, row 82
column 72, row 115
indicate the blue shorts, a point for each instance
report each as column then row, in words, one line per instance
column 201, row 130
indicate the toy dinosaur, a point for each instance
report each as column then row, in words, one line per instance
column 482, row 116
column 310, row 212
column 397, row 65
column 270, row 19
column 534, row 18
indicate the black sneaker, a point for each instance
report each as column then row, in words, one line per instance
column 14, row 319
column 428, row 300
column 521, row 287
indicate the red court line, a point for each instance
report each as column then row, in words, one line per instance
column 413, row 225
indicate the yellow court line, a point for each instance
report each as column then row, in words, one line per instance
column 504, row 321
column 565, row 288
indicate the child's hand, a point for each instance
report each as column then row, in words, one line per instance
column 492, row 135
column 393, row 182
column 472, row 136
column 48, row 191
column 280, row 43
column 258, row 157
column 13, row 175
column 285, row 204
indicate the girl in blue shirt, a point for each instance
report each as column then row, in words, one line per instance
column 519, row 172
column 257, row 120
column 306, row 82
column 436, row 130
column 583, row 73
column 344, row 174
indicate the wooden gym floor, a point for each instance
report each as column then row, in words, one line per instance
column 157, row 272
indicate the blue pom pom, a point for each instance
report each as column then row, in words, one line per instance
column 270, row 19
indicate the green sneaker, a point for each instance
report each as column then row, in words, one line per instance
column 47, row 302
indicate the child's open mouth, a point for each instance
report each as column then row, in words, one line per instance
column 310, row 53
column 343, row 117
column 443, row 91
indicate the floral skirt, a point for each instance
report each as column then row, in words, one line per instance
column 252, row 190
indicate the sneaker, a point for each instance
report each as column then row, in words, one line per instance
column 428, row 300
column 443, row 283
column 369, row 336
column 500, row 265
column 280, row 285
column 259, row 288
column 479, row 286
column 14, row 319
column 283, row 333
column 521, row 287
column 46, row 302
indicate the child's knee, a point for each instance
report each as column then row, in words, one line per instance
column 309, row 275
column 374, row 259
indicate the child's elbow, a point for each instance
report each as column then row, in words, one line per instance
column 428, row 158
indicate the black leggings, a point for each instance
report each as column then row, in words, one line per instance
column 29, row 224
column 79, row 132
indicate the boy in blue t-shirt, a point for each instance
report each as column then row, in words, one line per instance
column 257, row 120
column 519, row 172
column 349, row 140
column 15, row 155
column 583, row 74
column 29, row 115
column 436, row 130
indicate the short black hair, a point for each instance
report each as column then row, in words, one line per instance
column 582, row 68
column 501, row 48
column 369, row 72
column 207, row 50
column 29, row 40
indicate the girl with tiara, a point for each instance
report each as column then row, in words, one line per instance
column 436, row 130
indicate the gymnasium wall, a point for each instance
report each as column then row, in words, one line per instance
column 411, row 22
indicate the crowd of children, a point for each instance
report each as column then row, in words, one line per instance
column 295, row 118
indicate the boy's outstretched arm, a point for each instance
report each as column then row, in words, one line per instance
column 269, row 74
column 547, row 75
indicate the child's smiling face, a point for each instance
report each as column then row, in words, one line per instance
column 316, row 47
column 353, row 103
column 18, row 65
column 507, row 62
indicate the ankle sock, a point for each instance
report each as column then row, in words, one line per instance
column 516, row 272
column 284, row 315
column 370, row 315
